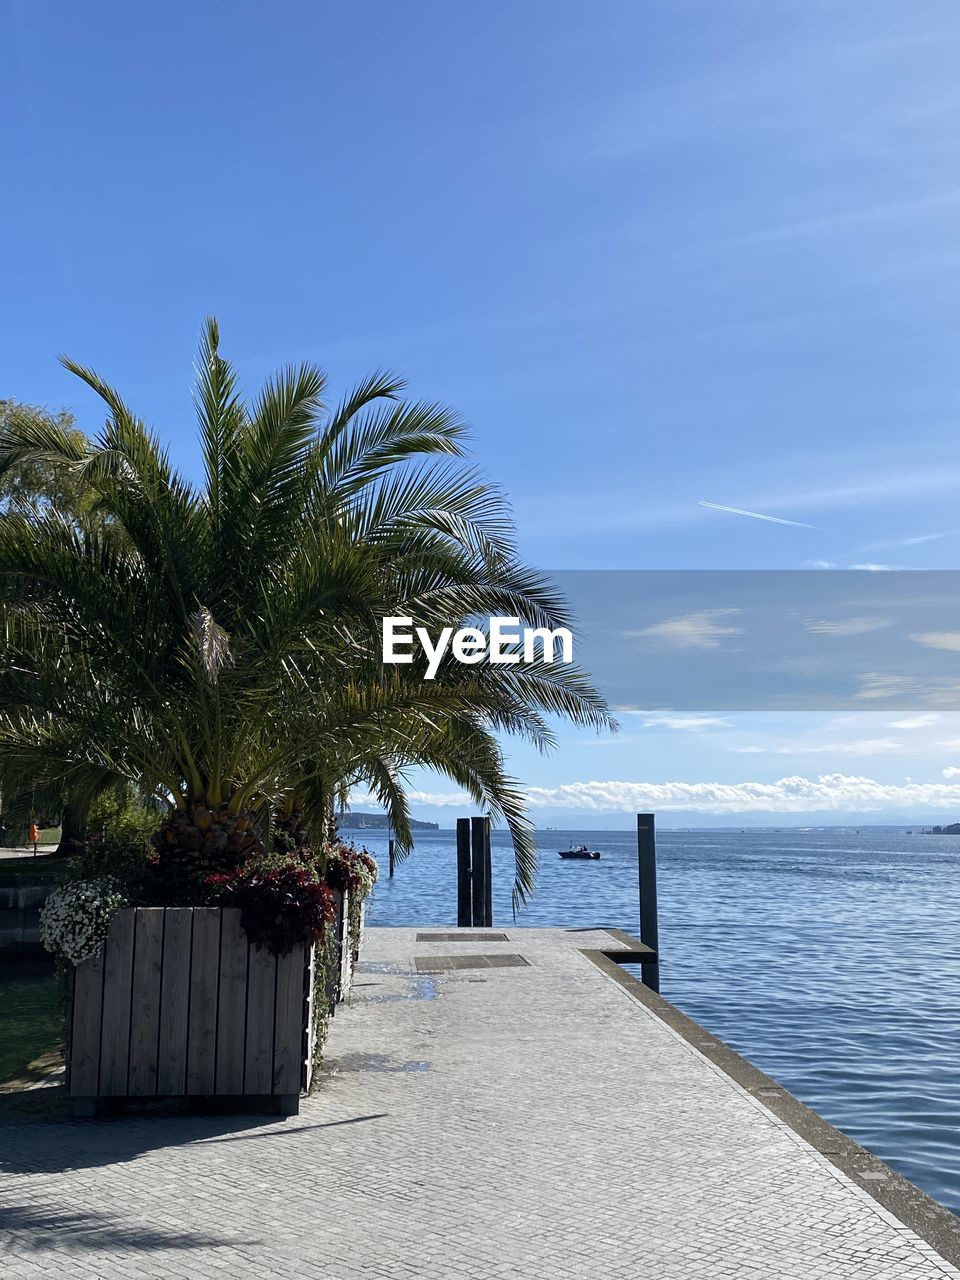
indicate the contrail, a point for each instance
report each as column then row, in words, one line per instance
column 756, row 515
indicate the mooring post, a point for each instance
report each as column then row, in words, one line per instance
column 464, row 897
column 480, row 838
column 647, row 867
column 488, row 877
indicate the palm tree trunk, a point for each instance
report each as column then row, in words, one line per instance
column 290, row 831
column 199, row 840
column 73, row 829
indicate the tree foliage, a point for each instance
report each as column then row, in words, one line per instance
column 40, row 482
column 218, row 646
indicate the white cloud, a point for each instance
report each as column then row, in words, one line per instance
column 859, row 747
column 944, row 694
column 692, row 630
column 875, row 685
column 928, row 537
column 907, row 542
column 915, row 722
column 364, row 800
column 827, row 793
column 895, row 483
column 952, row 772
column 835, row 792
column 873, row 568
column 668, row 719
column 845, row 626
column 949, row 640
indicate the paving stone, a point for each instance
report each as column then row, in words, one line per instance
column 540, row 1123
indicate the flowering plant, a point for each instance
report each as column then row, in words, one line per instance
column 279, row 907
column 351, row 868
column 75, row 917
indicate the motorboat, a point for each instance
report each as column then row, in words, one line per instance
column 581, row 851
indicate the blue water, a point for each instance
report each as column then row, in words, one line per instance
column 831, row 961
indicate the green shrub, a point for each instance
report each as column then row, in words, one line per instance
column 118, row 847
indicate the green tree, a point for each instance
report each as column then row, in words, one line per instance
column 44, row 483
column 219, row 646
column 41, row 482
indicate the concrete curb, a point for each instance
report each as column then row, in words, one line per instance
column 929, row 1219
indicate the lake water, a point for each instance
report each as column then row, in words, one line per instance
column 830, row 960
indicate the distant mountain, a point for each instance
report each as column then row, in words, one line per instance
column 353, row 821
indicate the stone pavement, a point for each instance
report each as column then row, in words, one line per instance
column 532, row 1121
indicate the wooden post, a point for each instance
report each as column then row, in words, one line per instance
column 479, row 860
column 393, row 857
column 464, row 898
column 647, row 867
column 488, row 875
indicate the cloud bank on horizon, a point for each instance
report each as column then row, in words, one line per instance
column 835, row 793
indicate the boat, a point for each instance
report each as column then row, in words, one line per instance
column 581, row 851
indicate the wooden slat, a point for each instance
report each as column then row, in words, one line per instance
column 211, row 1015
column 204, row 980
column 174, row 1002
column 145, row 1026
column 258, row 1058
column 288, row 1023
column 85, row 1028
column 115, row 1024
column 232, row 1011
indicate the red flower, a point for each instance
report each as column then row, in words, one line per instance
column 279, row 908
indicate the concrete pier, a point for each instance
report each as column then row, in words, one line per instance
column 505, row 1103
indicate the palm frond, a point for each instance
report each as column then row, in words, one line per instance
column 222, row 645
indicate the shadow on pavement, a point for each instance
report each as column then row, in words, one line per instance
column 64, row 1144
column 98, row 1231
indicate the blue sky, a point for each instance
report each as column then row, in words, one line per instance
column 660, row 254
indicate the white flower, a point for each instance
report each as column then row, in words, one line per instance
column 75, row 918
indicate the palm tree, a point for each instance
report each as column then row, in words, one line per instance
column 219, row 645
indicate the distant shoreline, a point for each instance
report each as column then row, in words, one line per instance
column 379, row 822
column 927, row 827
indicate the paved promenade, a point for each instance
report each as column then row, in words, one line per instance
column 510, row 1119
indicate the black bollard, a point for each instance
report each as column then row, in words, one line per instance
column 464, row 896
column 480, row 864
column 647, row 867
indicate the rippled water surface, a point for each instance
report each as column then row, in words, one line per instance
column 832, row 961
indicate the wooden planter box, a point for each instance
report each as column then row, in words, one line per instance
column 180, row 1004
